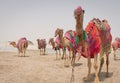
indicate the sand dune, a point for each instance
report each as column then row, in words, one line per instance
column 35, row 68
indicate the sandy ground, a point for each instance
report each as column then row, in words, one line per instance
column 35, row 68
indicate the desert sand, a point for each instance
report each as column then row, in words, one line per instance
column 35, row 68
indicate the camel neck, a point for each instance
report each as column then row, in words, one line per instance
column 79, row 25
column 61, row 39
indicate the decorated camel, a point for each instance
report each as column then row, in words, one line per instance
column 65, row 44
column 91, row 44
column 21, row 46
column 55, row 46
column 103, row 44
column 104, row 29
column 115, row 46
column 42, row 45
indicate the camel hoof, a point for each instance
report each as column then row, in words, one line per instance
column 86, row 78
column 96, row 81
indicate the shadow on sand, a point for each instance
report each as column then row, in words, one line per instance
column 102, row 77
column 20, row 56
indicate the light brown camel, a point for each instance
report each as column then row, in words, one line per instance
column 91, row 44
column 88, row 45
column 42, row 45
column 65, row 43
column 21, row 46
column 55, row 46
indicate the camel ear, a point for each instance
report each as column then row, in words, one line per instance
column 37, row 39
column 83, row 11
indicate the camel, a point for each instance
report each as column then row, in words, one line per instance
column 115, row 46
column 103, row 43
column 104, row 29
column 42, row 45
column 64, row 43
column 21, row 46
column 55, row 46
column 91, row 44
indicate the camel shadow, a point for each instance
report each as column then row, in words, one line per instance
column 102, row 77
column 78, row 64
column 20, row 56
column 117, row 59
column 43, row 54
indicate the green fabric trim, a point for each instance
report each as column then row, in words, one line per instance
column 84, row 35
column 77, row 40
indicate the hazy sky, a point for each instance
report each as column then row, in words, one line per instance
column 39, row 18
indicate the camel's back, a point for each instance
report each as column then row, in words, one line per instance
column 22, row 42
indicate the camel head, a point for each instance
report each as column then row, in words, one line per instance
column 79, row 15
column 59, row 32
column 51, row 40
column 13, row 44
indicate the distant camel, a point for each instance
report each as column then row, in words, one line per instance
column 55, row 46
column 116, row 45
column 42, row 45
column 21, row 46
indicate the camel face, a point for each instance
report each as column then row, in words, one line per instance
column 58, row 32
column 78, row 12
column 13, row 44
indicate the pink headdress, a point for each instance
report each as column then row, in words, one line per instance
column 78, row 10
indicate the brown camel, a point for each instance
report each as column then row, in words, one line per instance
column 55, row 46
column 21, row 46
column 42, row 45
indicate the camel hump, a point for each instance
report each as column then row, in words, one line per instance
column 21, row 41
column 23, row 38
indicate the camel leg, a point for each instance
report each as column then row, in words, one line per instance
column 70, row 58
column 24, row 50
column 73, row 58
column 114, row 54
column 40, row 51
column 73, row 65
column 44, row 51
column 59, row 54
column 96, row 80
column 56, row 54
column 89, row 69
column 101, row 61
column 63, row 53
column 107, row 63
column 64, row 59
